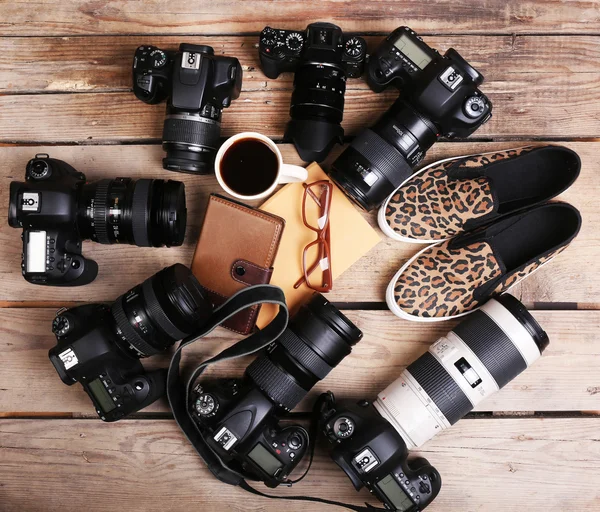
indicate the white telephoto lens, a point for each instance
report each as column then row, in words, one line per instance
column 477, row 358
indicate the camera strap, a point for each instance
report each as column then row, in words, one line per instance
column 178, row 392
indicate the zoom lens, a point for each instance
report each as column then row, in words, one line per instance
column 143, row 212
column 318, row 337
column 317, row 110
column 165, row 308
column 480, row 356
column 381, row 158
column 191, row 140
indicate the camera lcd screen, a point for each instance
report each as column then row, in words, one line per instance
column 267, row 462
column 412, row 51
column 101, row 395
column 36, row 251
column 395, row 493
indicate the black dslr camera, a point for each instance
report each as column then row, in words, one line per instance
column 199, row 86
column 100, row 346
column 373, row 454
column 322, row 58
column 239, row 419
column 439, row 98
column 57, row 210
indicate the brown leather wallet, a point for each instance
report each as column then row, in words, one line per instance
column 236, row 249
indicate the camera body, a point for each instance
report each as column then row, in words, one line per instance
column 89, row 350
column 240, row 424
column 198, row 85
column 374, row 455
column 322, row 58
column 444, row 88
column 46, row 207
column 58, row 209
column 439, row 97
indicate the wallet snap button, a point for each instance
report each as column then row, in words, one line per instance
column 239, row 270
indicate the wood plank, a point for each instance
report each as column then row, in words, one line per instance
column 565, row 378
column 149, row 465
column 100, row 63
column 56, row 17
column 527, row 105
column 573, row 277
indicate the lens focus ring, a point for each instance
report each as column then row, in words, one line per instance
column 197, row 133
column 140, row 212
column 301, row 352
column 276, row 383
column 129, row 332
column 156, row 312
column 100, row 208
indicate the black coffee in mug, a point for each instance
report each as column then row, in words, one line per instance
column 249, row 167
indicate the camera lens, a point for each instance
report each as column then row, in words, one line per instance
column 316, row 340
column 165, row 308
column 480, row 356
column 317, row 109
column 144, row 212
column 381, row 158
column 191, row 140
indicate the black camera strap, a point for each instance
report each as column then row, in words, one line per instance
column 178, row 392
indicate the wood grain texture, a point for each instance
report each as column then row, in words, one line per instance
column 150, row 466
column 564, row 379
column 573, row 277
column 529, row 105
column 103, row 64
column 59, row 17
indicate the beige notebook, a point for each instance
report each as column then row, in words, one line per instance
column 351, row 238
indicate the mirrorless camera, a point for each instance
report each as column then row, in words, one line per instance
column 198, row 85
column 57, row 210
column 481, row 355
column 100, row 346
column 239, row 419
column 374, row 455
column 439, row 98
column 322, row 57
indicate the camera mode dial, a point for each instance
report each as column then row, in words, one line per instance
column 268, row 37
column 474, row 106
column 294, row 41
column 61, row 326
column 206, row 405
column 39, row 169
column 159, row 58
column 343, row 428
column 354, row 47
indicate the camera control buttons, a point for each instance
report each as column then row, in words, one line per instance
column 61, row 326
column 268, row 37
column 474, row 106
column 295, row 442
column 354, row 47
column 343, row 428
column 39, row 169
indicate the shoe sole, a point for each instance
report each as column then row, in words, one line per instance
column 381, row 220
column 400, row 313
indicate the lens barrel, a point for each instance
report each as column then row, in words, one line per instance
column 191, row 141
column 317, row 110
column 144, row 212
column 317, row 339
column 481, row 355
column 381, row 158
column 165, row 308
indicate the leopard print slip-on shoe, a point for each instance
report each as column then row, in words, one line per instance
column 461, row 194
column 452, row 278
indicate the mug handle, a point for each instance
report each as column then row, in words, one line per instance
column 292, row 174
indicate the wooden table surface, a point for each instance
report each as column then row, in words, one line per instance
column 65, row 90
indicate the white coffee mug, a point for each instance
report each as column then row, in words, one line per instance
column 286, row 173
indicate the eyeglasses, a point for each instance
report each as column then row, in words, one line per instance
column 316, row 207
